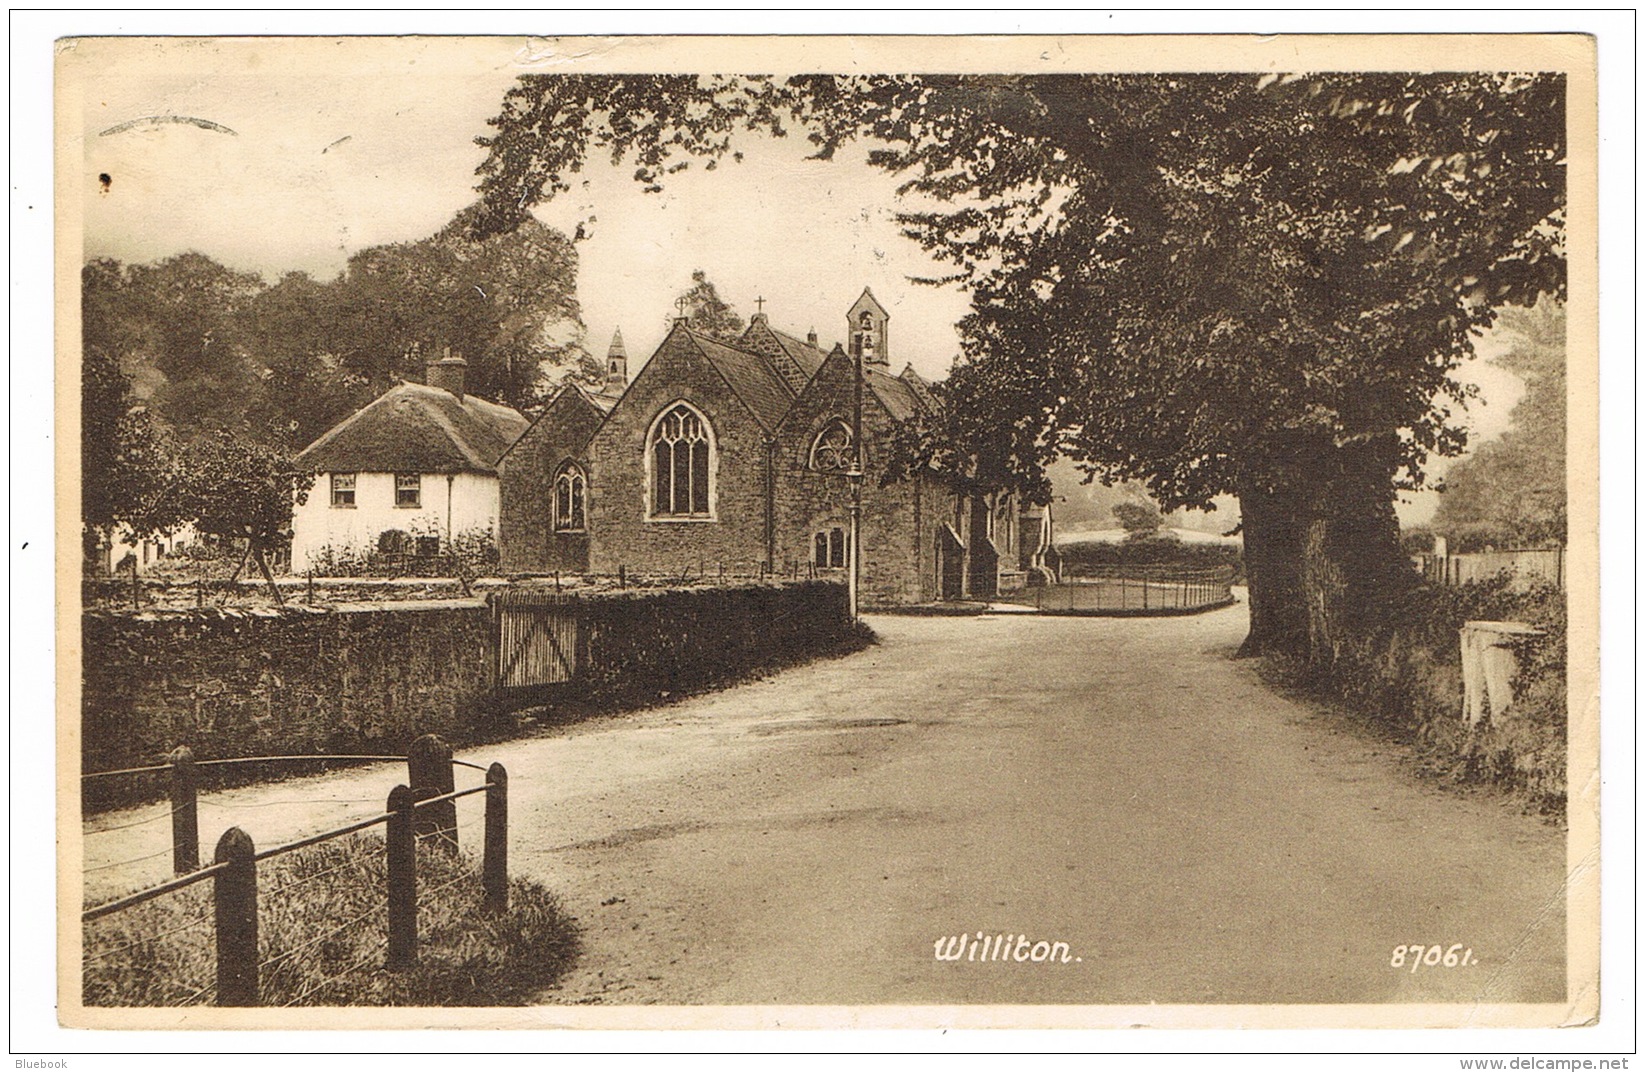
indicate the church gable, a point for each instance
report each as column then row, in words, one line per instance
column 536, row 534
column 701, row 414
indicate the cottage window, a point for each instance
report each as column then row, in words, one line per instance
column 570, row 490
column 681, row 453
column 831, row 451
column 408, row 490
column 342, row 489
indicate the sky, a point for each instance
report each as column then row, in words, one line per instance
column 295, row 155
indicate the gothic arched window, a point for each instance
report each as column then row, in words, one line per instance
column 570, row 495
column 681, row 453
column 831, row 451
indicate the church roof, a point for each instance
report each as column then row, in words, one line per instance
column 806, row 356
column 760, row 387
column 414, row 428
column 794, row 359
column 919, row 385
column 900, row 400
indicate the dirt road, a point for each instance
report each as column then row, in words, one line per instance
column 1118, row 786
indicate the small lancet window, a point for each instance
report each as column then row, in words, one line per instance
column 570, row 497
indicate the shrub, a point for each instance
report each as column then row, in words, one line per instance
column 418, row 552
column 1165, row 549
column 321, row 938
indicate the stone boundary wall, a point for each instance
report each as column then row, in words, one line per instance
column 370, row 678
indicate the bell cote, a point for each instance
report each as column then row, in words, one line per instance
column 866, row 328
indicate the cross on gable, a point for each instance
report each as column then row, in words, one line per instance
column 759, row 304
column 680, row 303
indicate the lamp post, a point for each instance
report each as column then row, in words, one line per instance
column 855, row 475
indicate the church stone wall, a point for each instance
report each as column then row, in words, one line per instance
column 527, row 542
column 900, row 519
column 623, row 536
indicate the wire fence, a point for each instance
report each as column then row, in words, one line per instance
column 304, row 926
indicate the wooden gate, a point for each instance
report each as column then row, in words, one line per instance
column 535, row 640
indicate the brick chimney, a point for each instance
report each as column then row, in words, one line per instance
column 447, row 374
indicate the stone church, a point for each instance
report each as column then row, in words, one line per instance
column 731, row 455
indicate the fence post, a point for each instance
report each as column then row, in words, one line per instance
column 235, row 895
column 494, row 866
column 402, row 879
column 185, row 818
column 429, row 761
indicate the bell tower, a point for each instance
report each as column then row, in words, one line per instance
column 865, row 326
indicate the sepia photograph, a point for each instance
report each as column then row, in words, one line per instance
column 750, row 532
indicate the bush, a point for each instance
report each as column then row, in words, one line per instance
column 418, row 552
column 1166, row 549
column 321, row 938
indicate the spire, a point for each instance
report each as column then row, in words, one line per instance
column 616, row 365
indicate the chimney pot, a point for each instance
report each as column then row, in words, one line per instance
column 811, row 337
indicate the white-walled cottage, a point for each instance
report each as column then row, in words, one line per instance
column 418, row 463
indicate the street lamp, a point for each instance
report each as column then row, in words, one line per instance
column 855, row 475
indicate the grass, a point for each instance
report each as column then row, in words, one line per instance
column 321, row 938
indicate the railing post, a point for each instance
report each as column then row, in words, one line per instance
column 429, row 761
column 235, row 895
column 402, row 880
column 494, row 866
column 185, row 818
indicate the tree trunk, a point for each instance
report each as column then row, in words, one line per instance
column 1352, row 563
column 1273, row 521
column 268, row 575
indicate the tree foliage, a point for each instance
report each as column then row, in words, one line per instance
column 1207, row 283
column 234, row 488
column 1512, row 490
column 197, row 381
column 507, row 302
column 707, row 312
column 127, row 462
column 1138, row 519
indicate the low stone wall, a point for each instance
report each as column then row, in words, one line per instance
column 370, row 678
column 297, row 680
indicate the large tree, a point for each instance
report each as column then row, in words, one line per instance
column 707, row 312
column 127, row 459
column 506, row 301
column 1512, row 490
column 1211, row 284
